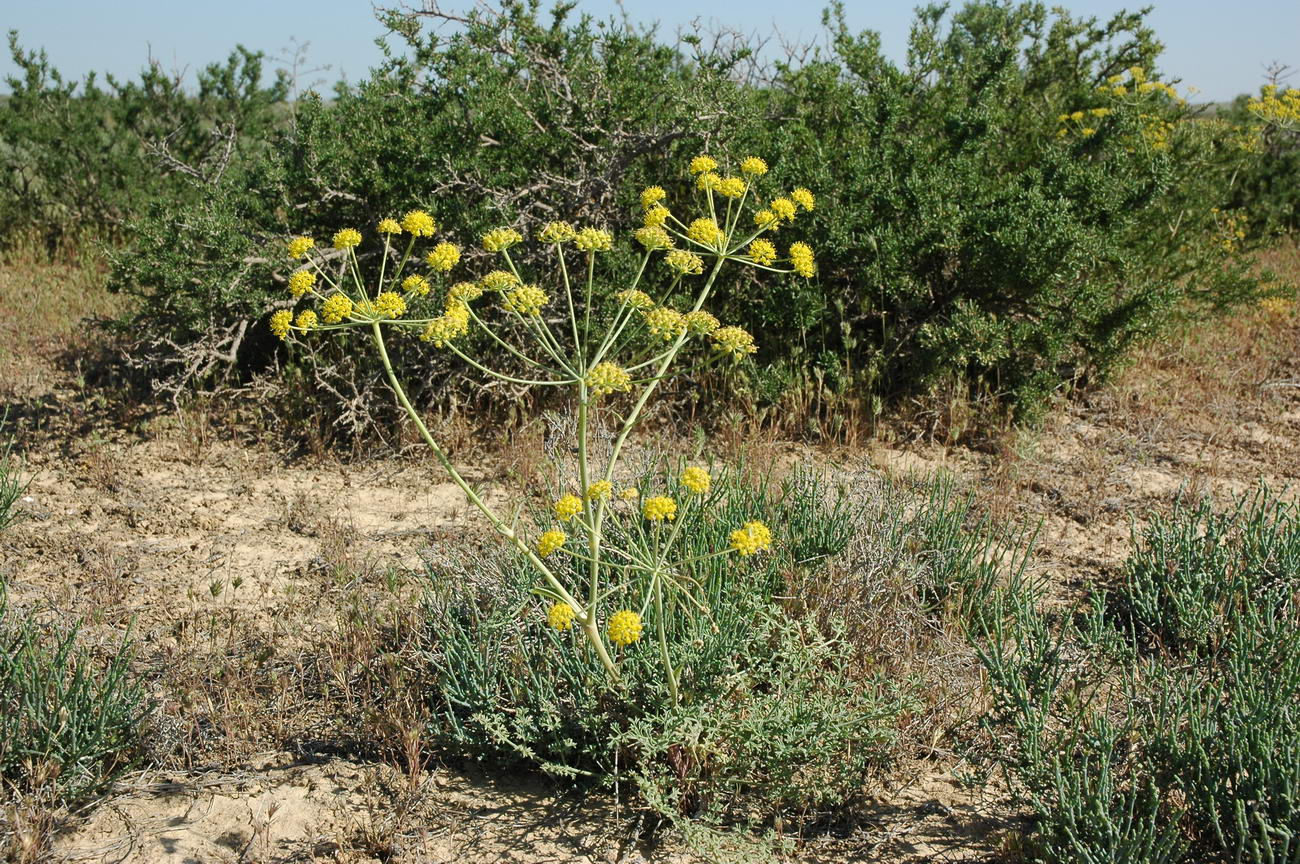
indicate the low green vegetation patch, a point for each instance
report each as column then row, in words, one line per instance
column 1162, row 722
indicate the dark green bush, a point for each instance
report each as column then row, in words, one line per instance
column 1268, row 186
column 1186, row 753
column 77, row 158
column 963, row 243
column 67, row 721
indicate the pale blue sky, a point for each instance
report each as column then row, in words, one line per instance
column 1219, row 47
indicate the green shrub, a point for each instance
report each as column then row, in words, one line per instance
column 1188, row 753
column 67, row 721
column 772, row 719
column 78, row 158
column 962, row 242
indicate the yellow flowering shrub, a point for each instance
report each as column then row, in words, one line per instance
column 567, row 333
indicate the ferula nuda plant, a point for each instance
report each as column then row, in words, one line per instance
column 610, row 562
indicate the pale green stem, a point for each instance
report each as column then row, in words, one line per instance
column 589, row 625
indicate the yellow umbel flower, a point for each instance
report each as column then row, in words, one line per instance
column 652, row 195
column 390, row 304
column 280, row 322
column 734, row 341
column 501, row 239
column 701, row 323
column 709, row 181
column 634, row 298
column 557, row 232
column 655, row 217
column 784, row 209
column 568, row 507
column 526, row 300
column 706, row 232
column 607, row 378
column 762, row 252
column 453, row 323
column 388, row 226
column 801, row 258
column 560, row 616
column 731, row 187
column 335, row 308
column 499, row 280
column 631, row 493
column 803, row 198
column 665, row 323
column 700, row 164
column 766, row 220
column 753, row 166
column 653, row 238
column 465, row 291
column 659, row 508
column 684, row 262
column 548, row 543
column 300, row 282
column 594, row 240
column 696, row 479
column 624, row 627
column 417, row 285
column 419, row 223
column 600, row 489
column 347, row 238
column 300, row 246
column 306, row 320
column 751, row 538
column 443, row 257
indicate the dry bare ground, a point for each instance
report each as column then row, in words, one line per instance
column 271, row 597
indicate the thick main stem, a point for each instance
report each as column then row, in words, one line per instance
column 589, row 624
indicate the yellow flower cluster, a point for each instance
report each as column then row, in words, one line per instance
column 280, row 322
column 652, row 195
column 624, row 627
column 753, row 166
column 300, row 246
column 1135, row 80
column 734, row 341
column 706, row 232
column 1278, row 108
column 684, row 263
column 762, row 252
column 347, row 238
column 548, row 543
column 452, row 324
column 601, row 489
column 634, row 298
column 568, row 507
column 560, row 616
column 501, row 239
column 1231, row 228
column 665, row 323
column 629, row 494
column 557, row 232
column 300, row 282
column 443, row 257
column 465, row 292
column 419, row 223
column 390, row 304
column 416, row 285
column 804, row 198
column 701, row 323
column 653, row 237
column 731, row 187
column 526, row 300
column 801, row 258
column 656, row 216
column 388, row 226
column 784, row 209
column 696, row 479
column 605, row 378
column 659, row 508
column 306, row 320
column 499, row 280
column 594, row 240
column 701, row 164
column 751, row 538
column 335, row 308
